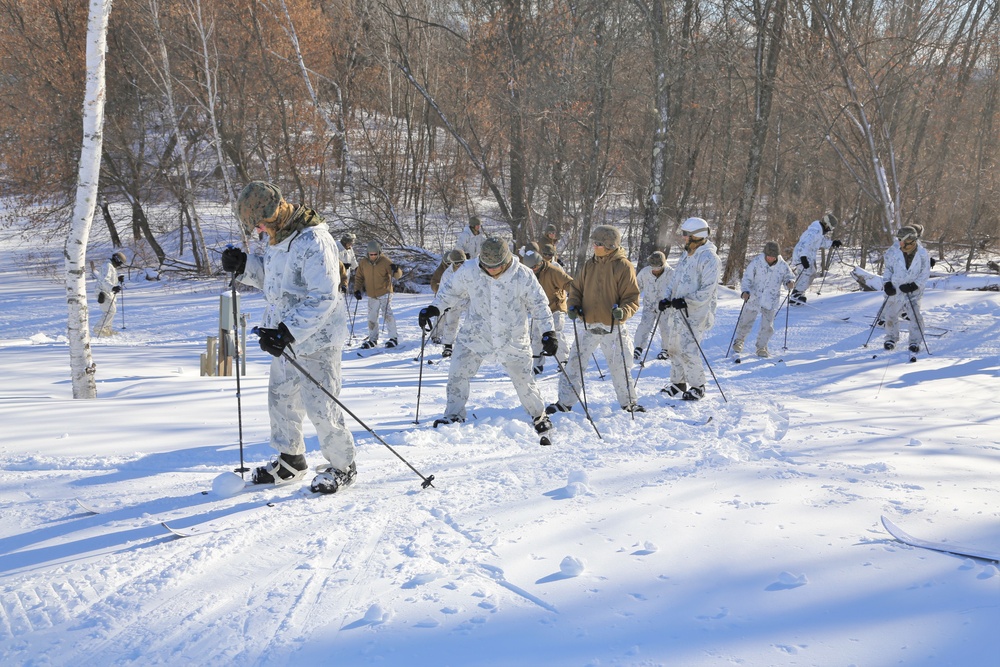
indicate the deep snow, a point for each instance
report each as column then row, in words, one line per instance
column 754, row 539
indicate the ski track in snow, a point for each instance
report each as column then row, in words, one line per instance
column 608, row 542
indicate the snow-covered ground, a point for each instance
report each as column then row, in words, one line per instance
column 753, row 539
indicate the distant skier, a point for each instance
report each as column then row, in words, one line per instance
column 653, row 280
column 345, row 249
column 470, row 240
column 502, row 294
column 307, row 315
column 760, row 290
column 604, row 295
column 816, row 236
column 447, row 327
column 554, row 281
column 691, row 295
column 108, row 289
column 374, row 277
column 907, row 268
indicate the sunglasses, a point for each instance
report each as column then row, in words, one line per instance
column 598, row 244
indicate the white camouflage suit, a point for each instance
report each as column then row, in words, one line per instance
column 764, row 283
column 496, row 323
column 652, row 289
column 898, row 274
column 106, row 282
column 447, row 325
column 695, row 279
column 347, row 258
column 808, row 246
column 300, row 277
column 470, row 243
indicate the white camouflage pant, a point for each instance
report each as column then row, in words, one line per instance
column 685, row 357
column 465, row 363
column 644, row 332
column 107, row 320
column 562, row 353
column 895, row 306
column 446, row 328
column 376, row 307
column 745, row 324
column 291, row 396
column 805, row 279
column 619, row 365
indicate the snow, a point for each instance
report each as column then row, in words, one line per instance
column 753, row 539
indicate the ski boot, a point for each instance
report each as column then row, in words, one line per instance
column 694, row 393
column 446, row 351
column 637, row 353
column 542, row 424
column 391, row 343
column 331, row 480
column 284, row 469
column 675, row 389
column 444, row 421
column 553, row 408
column 889, row 345
column 368, row 344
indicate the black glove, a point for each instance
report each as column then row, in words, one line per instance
column 394, row 267
column 679, row 304
column 234, row 260
column 343, row 287
column 116, row 289
column 424, row 318
column 550, row 343
column 274, row 341
column 121, row 279
column 574, row 312
column 101, row 297
column 889, row 289
column 933, row 262
column 617, row 314
column 804, row 261
column 357, row 294
column 836, row 243
column 906, row 288
column 663, row 305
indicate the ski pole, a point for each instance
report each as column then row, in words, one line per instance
column 628, row 376
column 788, row 307
column 642, row 364
column 916, row 319
column 562, row 367
column 420, row 375
column 107, row 313
column 593, row 355
column 579, row 361
column 431, row 336
column 740, row 317
column 290, row 359
column 875, row 321
column 691, row 330
column 121, row 290
column 239, row 394
column 353, row 316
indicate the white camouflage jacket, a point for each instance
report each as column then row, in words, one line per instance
column 696, row 279
column 347, row 257
column 652, row 287
column 300, row 278
column 107, row 280
column 898, row 274
column 470, row 243
column 810, row 242
column 498, row 309
column 765, row 282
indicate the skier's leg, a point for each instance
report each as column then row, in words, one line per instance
column 390, row 318
column 373, row 313
column 284, row 405
column 518, row 367
column 766, row 328
column 619, row 368
column 465, row 363
column 588, row 343
column 335, row 439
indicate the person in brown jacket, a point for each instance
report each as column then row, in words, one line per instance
column 604, row 294
column 374, row 277
column 554, row 281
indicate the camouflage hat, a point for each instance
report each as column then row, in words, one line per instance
column 551, row 229
column 907, row 233
column 455, row 256
column 474, row 222
column 348, row 239
column 258, row 201
column 829, row 221
column 607, row 236
column 532, row 259
column 531, row 245
column 374, row 247
column 657, row 260
column 495, row 252
column 771, row 249
column 548, row 250
column 118, row 259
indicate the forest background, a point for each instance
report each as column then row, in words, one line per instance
column 399, row 120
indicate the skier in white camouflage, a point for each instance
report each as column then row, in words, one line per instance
column 470, row 240
column 653, row 280
column 907, row 268
column 447, row 327
column 305, row 314
column 502, row 294
column 691, row 295
column 760, row 290
column 604, row 295
column 345, row 250
column 108, row 289
column 816, row 236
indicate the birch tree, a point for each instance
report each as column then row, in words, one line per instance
column 82, row 367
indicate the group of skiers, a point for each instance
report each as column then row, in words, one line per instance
column 489, row 301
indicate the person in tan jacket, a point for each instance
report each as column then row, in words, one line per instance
column 604, row 294
column 554, row 281
column 374, row 277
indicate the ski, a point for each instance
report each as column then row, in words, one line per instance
column 87, row 507
column 942, row 546
column 210, row 526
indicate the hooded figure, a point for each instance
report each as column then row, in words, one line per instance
column 447, row 326
column 689, row 305
column 653, row 280
column 306, row 314
column 760, row 290
column 907, row 268
column 501, row 294
column 345, row 250
column 554, row 281
column 109, row 286
column 816, row 236
column 604, row 294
